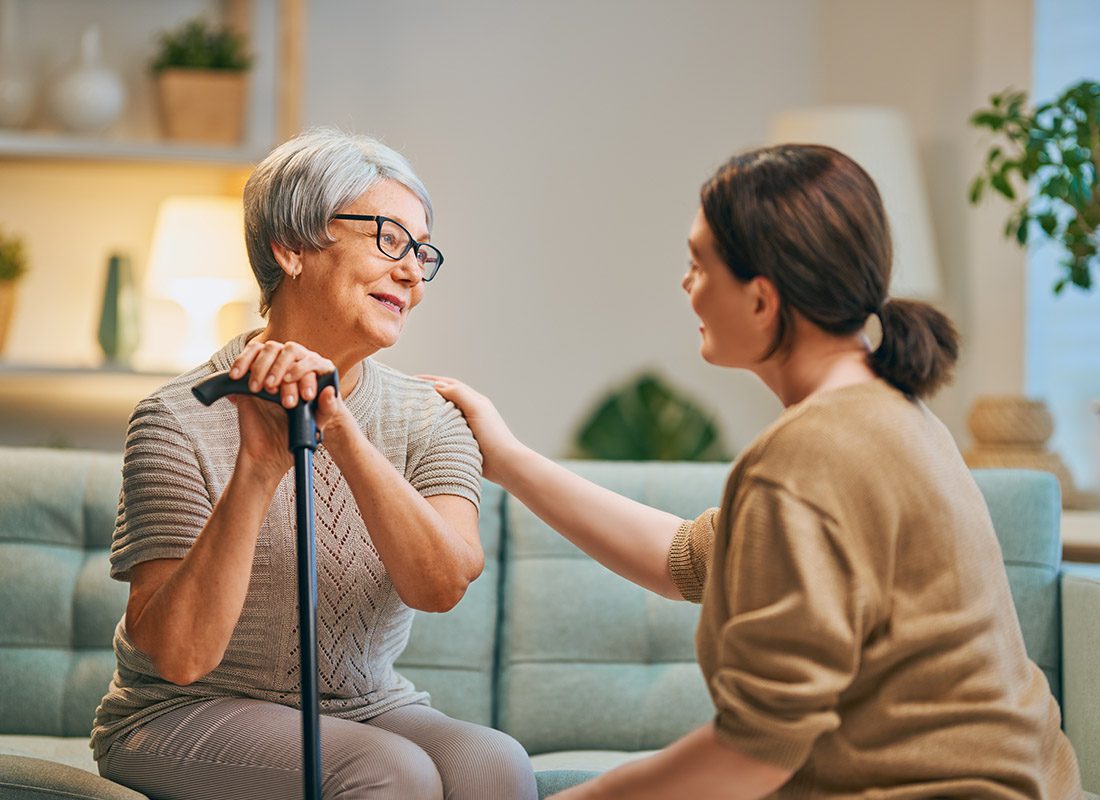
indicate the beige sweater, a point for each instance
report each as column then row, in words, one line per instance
column 179, row 456
column 857, row 625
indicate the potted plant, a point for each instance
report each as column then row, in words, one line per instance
column 1052, row 154
column 647, row 420
column 202, row 83
column 13, row 263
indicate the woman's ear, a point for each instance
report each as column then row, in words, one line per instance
column 289, row 260
column 765, row 299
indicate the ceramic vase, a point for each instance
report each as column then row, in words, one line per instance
column 89, row 97
column 16, row 84
column 118, row 317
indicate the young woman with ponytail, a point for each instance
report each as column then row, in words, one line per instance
column 857, row 633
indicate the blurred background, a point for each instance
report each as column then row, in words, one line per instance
column 564, row 145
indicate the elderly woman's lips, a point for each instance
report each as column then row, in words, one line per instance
column 389, row 302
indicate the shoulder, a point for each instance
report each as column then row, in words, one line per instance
column 844, row 443
column 415, row 402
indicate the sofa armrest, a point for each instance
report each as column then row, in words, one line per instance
column 1080, row 671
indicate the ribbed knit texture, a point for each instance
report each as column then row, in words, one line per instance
column 179, row 457
column 690, row 554
column 857, row 625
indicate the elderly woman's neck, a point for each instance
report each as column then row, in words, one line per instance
column 315, row 335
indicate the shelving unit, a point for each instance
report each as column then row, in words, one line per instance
column 60, row 146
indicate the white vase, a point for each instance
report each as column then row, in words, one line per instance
column 89, row 97
column 16, row 85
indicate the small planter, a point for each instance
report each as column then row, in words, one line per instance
column 203, row 105
column 7, row 310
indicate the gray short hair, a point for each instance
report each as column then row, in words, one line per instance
column 292, row 195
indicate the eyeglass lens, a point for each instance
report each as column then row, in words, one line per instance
column 395, row 241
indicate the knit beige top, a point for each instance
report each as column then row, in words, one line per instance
column 857, row 625
column 179, row 457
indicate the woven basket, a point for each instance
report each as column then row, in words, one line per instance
column 1024, row 457
column 1010, row 420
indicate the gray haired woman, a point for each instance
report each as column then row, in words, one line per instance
column 203, row 703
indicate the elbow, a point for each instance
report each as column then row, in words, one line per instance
column 182, row 670
column 444, row 598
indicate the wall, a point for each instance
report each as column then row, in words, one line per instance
column 564, row 144
column 939, row 61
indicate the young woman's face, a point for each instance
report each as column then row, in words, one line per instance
column 729, row 328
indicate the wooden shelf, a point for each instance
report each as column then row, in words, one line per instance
column 46, row 145
column 70, row 406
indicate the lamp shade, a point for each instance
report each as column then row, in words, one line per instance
column 199, row 261
column 880, row 141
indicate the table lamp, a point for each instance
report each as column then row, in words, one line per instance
column 198, row 261
column 880, row 141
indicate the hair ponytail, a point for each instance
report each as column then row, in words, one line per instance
column 919, row 347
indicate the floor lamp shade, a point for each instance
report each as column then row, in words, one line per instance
column 879, row 140
column 198, row 260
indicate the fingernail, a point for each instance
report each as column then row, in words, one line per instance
column 308, row 393
column 291, row 400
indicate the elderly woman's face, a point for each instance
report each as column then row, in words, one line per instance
column 361, row 292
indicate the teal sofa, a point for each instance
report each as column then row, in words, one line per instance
column 580, row 666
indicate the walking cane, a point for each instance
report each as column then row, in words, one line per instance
column 304, row 438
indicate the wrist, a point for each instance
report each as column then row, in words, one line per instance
column 260, row 474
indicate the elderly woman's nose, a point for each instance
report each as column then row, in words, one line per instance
column 407, row 268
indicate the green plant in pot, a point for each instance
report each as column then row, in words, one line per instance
column 13, row 265
column 647, row 420
column 202, row 83
column 1045, row 161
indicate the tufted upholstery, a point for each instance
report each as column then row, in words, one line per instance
column 582, row 667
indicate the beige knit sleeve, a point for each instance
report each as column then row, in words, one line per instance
column 451, row 462
column 164, row 502
column 690, row 554
column 788, row 628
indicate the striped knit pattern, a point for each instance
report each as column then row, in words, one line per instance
column 179, row 457
column 690, row 554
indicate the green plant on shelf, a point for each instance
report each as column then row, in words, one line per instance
column 647, row 420
column 198, row 44
column 13, row 258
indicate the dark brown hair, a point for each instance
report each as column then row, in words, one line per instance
column 810, row 220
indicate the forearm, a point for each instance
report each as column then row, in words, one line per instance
column 630, row 538
column 430, row 564
column 698, row 766
column 186, row 623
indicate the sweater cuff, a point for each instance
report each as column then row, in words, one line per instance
column 779, row 752
column 681, row 565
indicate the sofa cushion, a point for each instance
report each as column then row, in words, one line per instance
column 589, row 660
column 35, row 779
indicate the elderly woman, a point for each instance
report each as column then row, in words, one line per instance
column 857, row 633
column 203, row 703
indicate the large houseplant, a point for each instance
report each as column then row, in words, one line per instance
column 1045, row 160
column 202, row 83
column 13, row 264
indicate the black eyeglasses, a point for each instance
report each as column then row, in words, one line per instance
column 394, row 241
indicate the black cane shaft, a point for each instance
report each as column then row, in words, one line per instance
column 307, row 624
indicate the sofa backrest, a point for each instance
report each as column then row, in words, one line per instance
column 1026, row 508
column 60, row 608
column 587, row 659
column 582, row 657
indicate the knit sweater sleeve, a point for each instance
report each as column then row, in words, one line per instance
column 690, row 554
column 164, row 502
column 789, row 637
column 451, row 461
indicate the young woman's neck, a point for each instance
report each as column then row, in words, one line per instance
column 817, row 362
